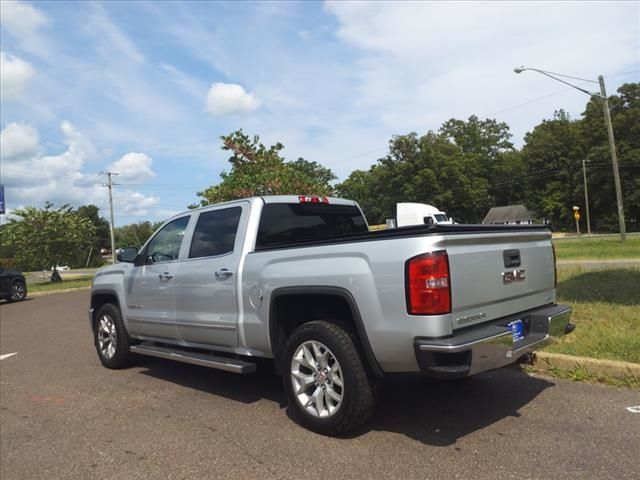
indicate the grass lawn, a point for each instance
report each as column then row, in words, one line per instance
column 597, row 248
column 79, row 281
column 606, row 311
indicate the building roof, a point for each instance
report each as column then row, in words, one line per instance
column 511, row 213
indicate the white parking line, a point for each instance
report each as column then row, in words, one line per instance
column 7, row 355
column 635, row 409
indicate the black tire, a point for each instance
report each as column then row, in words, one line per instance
column 119, row 356
column 17, row 291
column 360, row 387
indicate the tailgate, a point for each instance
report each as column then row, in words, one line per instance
column 493, row 275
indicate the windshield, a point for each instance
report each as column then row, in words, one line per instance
column 441, row 217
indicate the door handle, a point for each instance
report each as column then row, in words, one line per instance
column 165, row 276
column 223, row 273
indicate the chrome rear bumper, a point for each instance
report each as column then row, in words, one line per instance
column 491, row 346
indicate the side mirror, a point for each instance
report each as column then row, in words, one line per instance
column 127, row 254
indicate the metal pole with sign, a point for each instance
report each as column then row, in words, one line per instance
column 2, row 210
column 576, row 215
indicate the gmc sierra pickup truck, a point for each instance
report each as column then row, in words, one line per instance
column 303, row 281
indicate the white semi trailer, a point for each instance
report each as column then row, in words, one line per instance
column 419, row 214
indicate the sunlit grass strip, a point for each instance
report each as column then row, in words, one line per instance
column 82, row 281
column 596, row 248
column 606, row 311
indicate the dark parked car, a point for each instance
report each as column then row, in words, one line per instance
column 13, row 287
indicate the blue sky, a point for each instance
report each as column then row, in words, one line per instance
column 146, row 89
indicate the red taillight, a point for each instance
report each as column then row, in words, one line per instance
column 555, row 267
column 428, row 288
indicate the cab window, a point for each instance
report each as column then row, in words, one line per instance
column 215, row 232
column 165, row 245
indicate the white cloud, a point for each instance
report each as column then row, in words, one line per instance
column 189, row 84
column 20, row 18
column 100, row 24
column 420, row 63
column 229, row 98
column 133, row 167
column 18, row 141
column 15, row 73
column 24, row 21
column 134, row 203
column 31, row 178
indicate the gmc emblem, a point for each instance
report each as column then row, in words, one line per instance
column 512, row 276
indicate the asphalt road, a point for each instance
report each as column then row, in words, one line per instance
column 64, row 416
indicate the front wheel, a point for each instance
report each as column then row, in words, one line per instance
column 329, row 388
column 111, row 338
column 17, row 291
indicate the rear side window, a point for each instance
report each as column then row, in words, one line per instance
column 283, row 223
column 215, row 232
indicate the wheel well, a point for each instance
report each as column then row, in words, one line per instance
column 290, row 310
column 100, row 299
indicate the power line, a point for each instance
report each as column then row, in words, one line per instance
column 622, row 74
column 533, row 100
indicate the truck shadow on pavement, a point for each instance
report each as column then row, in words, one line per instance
column 264, row 384
column 436, row 413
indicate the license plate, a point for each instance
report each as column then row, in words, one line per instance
column 517, row 330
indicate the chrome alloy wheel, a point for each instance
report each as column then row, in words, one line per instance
column 107, row 340
column 17, row 291
column 316, row 378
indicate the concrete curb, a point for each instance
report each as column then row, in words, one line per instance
column 53, row 292
column 548, row 361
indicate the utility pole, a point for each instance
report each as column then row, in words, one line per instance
column 614, row 157
column 607, row 120
column 586, row 195
column 110, row 186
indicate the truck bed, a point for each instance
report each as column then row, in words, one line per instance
column 409, row 231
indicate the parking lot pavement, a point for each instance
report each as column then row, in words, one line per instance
column 64, row 416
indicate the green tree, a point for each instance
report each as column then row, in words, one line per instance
column 428, row 169
column 357, row 187
column 625, row 118
column 260, row 170
column 487, row 145
column 101, row 239
column 313, row 171
column 553, row 154
column 135, row 234
column 48, row 237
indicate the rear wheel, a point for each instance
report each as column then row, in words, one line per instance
column 17, row 291
column 111, row 338
column 327, row 383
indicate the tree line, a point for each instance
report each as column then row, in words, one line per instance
column 468, row 166
column 464, row 168
column 47, row 237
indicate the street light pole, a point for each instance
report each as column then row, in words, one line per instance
column 614, row 157
column 586, row 196
column 607, row 120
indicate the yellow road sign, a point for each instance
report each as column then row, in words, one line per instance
column 576, row 215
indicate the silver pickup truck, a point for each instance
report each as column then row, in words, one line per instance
column 303, row 281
